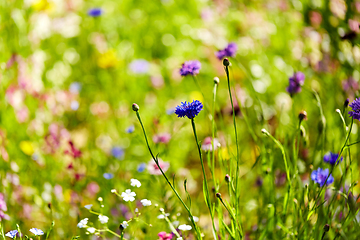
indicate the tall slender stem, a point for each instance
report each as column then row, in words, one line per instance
column 198, row 233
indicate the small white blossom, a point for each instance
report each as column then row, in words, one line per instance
column 136, row 210
column 145, row 202
column 196, row 219
column 162, row 216
column 83, row 223
column 113, row 190
column 128, row 195
column 89, row 206
column 103, row 219
column 135, row 183
column 36, row 232
column 179, row 238
column 185, row 227
column 125, row 224
column 91, row 230
column 100, row 199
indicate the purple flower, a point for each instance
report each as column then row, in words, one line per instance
column 95, row 12
column 190, row 68
column 189, row 110
column 36, row 232
column 108, row 176
column 355, row 107
column 139, row 66
column 229, row 51
column 295, row 83
column 130, row 129
column 11, row 234
column 319, row 176
column 141, row 167
column 332, row 158
column 117, row 152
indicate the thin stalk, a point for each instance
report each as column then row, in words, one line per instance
column 208, row 203
column 198, row 233
column 213, row 134
column 237, row 197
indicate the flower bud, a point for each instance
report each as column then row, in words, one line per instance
column 346, row 103
column 326, row 228
column 216, row 80
column 218, row 195
column 135, row 107
column 226, row 62
column 227, row 178
column 302, row 116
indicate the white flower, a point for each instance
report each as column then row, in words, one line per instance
column 185, row 227
column 196, row 219
column 135, row 183
column 100, row 199
column 36, row 232
column 180, row 238
column 83, row 223
column 128, row 195
column 124, row 224
column 103, row 219
column 113, row 190
column 162, row 216
column 145, row 202
column 89, row 206
column 91, row 230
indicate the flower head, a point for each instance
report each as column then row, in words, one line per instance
column 117, row 152
column 124, row 224
column 295, row 83
column 189, row 110
column 83, row 223
column 103, row 219
column 332, row 158
column 36, row 232
column 95, row 12
column 108, row 175
column 355, row 107
column 229, row 51
column 11, row 234
column 91, row 230
column 89, row 206
column 185, row 227
column 320, row 175
column 208, row 142
column 135, row 182
column 139, row 66
column 128, row 195
column 154, row 169
column 145, row 202
column 165, row 236
column 162, row 138
column 190, row 68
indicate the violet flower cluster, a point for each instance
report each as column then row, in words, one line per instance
column 355, row 109
column 320, row 175
column 189, row 110
column 190, row 68
column 295, row 83
column 229, row 51
column 332, row 158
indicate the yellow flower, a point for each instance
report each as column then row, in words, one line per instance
column 27, row 147
column 107, row 59
column 42, row 5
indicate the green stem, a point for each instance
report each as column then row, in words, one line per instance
column 208, row 203
column 198, row 233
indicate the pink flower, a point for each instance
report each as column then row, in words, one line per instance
column 162, row 138
column 207, row 144
column 165, row 236
column 153, row 168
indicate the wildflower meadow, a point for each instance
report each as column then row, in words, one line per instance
column 179, row 120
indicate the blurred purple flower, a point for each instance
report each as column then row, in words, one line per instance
column 141, row 167
column 295, row 83
column 75, row 87
column 320, row 175
column 139, row 66
column 117, row 152
column 95, row 12
column 130, row 129
column 355, row 109
column 108, row 176
column 350, row 84
column 190, row 68
column 229, row 51
column 11, row 234
column 332, row 158
column 189, row 110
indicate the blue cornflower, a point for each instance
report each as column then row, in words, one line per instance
column 229, row 51
column 11, row 234
column 331, row 158
column 108, row 176
column 295, row 83
column 36, row 232
column 355, row 107
column 117, row 152
column 319, row 176
column 190, row 68
column 95, row 12
column 189, row 110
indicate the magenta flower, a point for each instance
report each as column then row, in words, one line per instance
column 154, row 169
